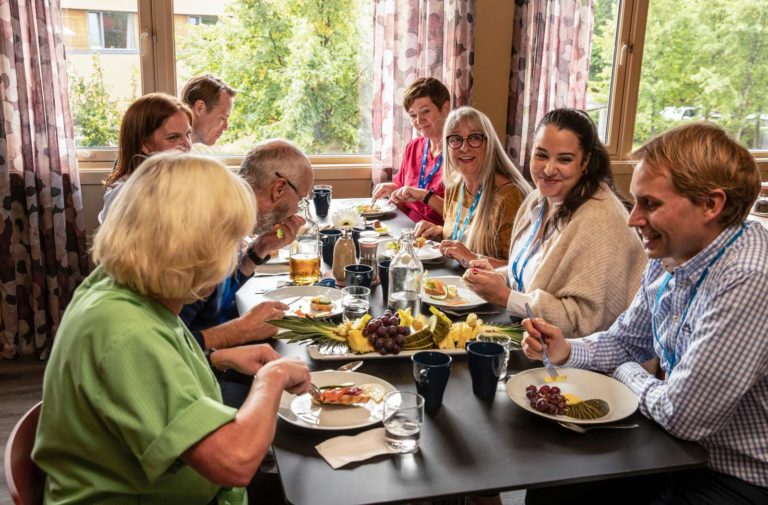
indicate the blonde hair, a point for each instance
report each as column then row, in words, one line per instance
column 482, row 239
column 702, row 157
column 174, row 229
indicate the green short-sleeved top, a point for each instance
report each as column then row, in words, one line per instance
column 126, row 391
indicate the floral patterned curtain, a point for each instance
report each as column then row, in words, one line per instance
column 413, row 39
column 551, row 45
column 43, row 254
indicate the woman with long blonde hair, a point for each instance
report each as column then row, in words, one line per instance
column 484, row 191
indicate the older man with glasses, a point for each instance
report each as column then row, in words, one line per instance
column 280, row 175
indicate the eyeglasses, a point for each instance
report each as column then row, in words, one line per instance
column 473, row 139
column 289, row 183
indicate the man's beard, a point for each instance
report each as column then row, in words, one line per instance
column 266, row 221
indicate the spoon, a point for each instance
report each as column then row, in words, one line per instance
column 350, row 367
column 583, row 429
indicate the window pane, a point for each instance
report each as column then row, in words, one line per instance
column 705, row 62
column 302, row 69
column 102, row 82
column 601, row 63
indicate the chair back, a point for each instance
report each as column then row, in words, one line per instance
column 25, row 480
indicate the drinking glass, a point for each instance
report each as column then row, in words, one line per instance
column 506, row 343
column 304, row 262
column 321, row 196
column 355, row 301
column 403, row 417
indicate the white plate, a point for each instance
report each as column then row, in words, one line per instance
column 428, row 252
column 289, row 294
column 300, row 410
column 587, row 385
column 341, row 351
column 471, row 300
column 384, row 207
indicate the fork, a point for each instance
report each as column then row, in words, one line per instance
column 314, row 391
column 547, row 364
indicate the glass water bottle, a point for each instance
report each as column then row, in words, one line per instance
column 405, row 277
column 304, row 265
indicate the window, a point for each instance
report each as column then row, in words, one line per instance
column 111, row 30
column 302, row 68
column 655, row 65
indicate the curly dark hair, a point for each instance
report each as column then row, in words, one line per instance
column 598, row 169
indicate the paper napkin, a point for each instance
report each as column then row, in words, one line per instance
column 339, row 451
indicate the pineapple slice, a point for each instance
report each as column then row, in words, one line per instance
column 358, row 343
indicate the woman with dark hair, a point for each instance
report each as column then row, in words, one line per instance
column 153, row 123
column 573, row 258
column 417, row 188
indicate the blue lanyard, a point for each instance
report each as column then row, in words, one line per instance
column 457, row 234
column 423, row 182
column 669, row 352
column 518, row 277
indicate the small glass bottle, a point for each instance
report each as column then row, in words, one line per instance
column 405, row 277
column 343, row 255
column 304, row 263
column 369, row 251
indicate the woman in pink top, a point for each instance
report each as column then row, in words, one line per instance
column 417, row 188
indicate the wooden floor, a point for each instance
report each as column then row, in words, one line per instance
column 21, row 386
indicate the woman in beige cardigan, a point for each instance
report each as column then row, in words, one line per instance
column 573, row 258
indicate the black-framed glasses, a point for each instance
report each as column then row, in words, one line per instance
column 289, row 183
column 473, row 139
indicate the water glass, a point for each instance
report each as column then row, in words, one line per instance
column 355, row 302
column 403, row 417
column 321, row 196
column 506, row 343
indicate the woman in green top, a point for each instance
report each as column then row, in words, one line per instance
column 132, row 412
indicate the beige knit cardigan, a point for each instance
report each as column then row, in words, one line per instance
column 590, row 270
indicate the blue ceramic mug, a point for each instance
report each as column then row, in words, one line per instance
column 328, row 240
column 485, row 360
column 431, row 370
column 358, row 275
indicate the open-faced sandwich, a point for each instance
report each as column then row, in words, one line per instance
column 349, row 395
column 435, row 288
column 321, row 303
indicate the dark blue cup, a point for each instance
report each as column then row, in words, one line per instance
column 328, row 240
column 485, row 360
column 358, row 275
column 431, row 370
column 384, row 278
column 321, row 196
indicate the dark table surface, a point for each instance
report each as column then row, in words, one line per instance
column 470, row 445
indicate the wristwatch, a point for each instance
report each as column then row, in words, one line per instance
column 428, row 196
column 255, row 257
column 208, row 353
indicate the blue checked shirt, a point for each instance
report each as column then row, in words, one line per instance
column 717, row 391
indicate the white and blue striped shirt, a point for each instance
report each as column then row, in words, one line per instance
column 716, row 393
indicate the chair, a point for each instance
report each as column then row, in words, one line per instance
column 24, row 478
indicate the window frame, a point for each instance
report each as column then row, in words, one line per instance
column 157, row 62
column 630, row 35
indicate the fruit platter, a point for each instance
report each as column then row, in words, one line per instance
column 393, row 334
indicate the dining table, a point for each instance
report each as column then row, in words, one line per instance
column 471, row 445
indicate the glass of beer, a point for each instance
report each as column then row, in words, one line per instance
column 304, row 262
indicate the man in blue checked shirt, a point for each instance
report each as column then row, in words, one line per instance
column 702, row 309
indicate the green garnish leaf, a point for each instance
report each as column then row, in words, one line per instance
column 588, row 409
